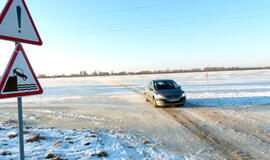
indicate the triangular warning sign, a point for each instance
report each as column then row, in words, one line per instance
column 19, row 78
column 16, row 23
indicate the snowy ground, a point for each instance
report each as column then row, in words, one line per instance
column 226, row 117
column 42, row 143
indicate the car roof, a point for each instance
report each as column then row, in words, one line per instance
column 158, row 80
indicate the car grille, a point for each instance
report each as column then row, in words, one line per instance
column 173, row 96
column 181, row 100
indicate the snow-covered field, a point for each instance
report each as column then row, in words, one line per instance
column 229, row 107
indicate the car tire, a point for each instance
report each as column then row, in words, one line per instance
column 180, row 105
column 155, row 103
column 146, row 99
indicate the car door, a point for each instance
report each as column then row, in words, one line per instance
column 151, row 91
column 147, row 89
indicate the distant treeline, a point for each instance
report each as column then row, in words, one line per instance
column 206, row 69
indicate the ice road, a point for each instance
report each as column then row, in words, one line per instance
column 226, row 116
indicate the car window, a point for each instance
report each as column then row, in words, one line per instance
column 161, row 85
column 175, row 85
column 151, row 85
column 148, row 84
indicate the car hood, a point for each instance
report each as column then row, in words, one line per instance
column 169, row 92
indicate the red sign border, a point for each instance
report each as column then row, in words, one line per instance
column 7, row 71
column 2, row 16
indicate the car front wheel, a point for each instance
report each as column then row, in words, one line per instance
column 146, row 99
column 155, row 102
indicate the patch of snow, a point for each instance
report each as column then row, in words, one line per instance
column 78, row 144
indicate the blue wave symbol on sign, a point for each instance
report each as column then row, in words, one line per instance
column 25, row 87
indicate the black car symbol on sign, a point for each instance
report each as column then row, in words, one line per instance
column 12, row 82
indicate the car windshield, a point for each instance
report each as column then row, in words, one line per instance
column 161, row 85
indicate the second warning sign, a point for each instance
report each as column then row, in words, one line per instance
column 19, row 78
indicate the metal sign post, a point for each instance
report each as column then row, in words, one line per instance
column 19, row 80
column 20, row 119
column 206, row 76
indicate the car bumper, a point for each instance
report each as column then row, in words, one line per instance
column 165, row 102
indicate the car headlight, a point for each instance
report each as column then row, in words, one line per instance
column 183, row 94
column 159, row 96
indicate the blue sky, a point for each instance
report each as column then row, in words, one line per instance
column 146, row 35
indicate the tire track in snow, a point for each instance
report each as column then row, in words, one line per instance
column 227, row 150
column 237, row 125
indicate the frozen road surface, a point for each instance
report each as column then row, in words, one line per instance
column 226, row 116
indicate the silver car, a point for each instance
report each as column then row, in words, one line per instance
column 164, row 92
